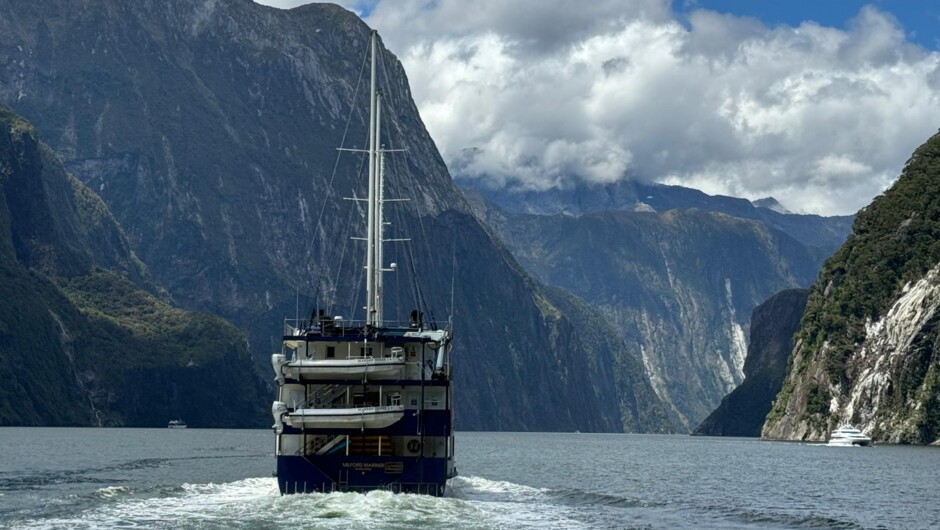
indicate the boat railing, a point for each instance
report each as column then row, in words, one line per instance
column 318, row 406
column 306, row 324
column 372, row 359
column 360, row 408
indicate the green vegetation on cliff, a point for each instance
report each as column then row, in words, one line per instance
column 84, row 338
column 895, row 240
column 867, row 349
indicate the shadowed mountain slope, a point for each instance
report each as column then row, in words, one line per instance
column 84, row 337
column 773, row 323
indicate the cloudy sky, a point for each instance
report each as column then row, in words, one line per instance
column 816, row 105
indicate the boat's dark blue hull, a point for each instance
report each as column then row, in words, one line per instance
column 312, row 474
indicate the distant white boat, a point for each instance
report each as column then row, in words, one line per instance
column 176, row 424
column 847, row 436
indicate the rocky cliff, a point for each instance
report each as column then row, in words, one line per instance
column 866, row 352
column 209, row 129
column 84, row 337
column 773, row 323
column 678, row 286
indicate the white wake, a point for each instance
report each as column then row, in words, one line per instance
column 471, row 503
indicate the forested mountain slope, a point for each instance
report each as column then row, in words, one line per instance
column 85, row 338
column 867, row 349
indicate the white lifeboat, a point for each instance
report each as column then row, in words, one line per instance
column 353, row 368
column 340, row 418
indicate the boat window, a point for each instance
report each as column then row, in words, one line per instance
column 365, row 352
column 330, row 352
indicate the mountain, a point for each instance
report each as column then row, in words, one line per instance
column 771, row 204
column 822, row 235
column 773, row 323
column 85, row 338
column 866, row 352
column 678, row 287
column 210, row 130
column 601, row 242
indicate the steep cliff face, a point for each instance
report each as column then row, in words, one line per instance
column 773, row 323
column 210, row 128
column 83, row 338
column 867, row 349
column 678, row 287
column 613, row 365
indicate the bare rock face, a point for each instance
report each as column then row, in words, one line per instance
column 675, row 271
column 867, row 350
column 773, row 323
column 678, row 286
column 893, row 395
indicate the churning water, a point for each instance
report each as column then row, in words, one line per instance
column 193, row 478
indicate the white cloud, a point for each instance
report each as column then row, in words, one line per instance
column 283, row 4
column 533, row 94
column 840, row 165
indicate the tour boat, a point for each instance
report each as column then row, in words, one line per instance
column 848, row 435
column 365, row 405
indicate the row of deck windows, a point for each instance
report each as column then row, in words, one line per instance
column 364, row 351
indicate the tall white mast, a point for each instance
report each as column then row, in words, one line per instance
column 370, row 236
column 374, row 228
column 379, row 213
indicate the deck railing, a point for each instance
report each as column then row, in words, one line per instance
column 292, row 325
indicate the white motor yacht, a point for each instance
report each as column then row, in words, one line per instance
column 848, row 435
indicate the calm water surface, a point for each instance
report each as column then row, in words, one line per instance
column 193, row 478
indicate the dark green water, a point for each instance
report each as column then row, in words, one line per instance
column 193, row 478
